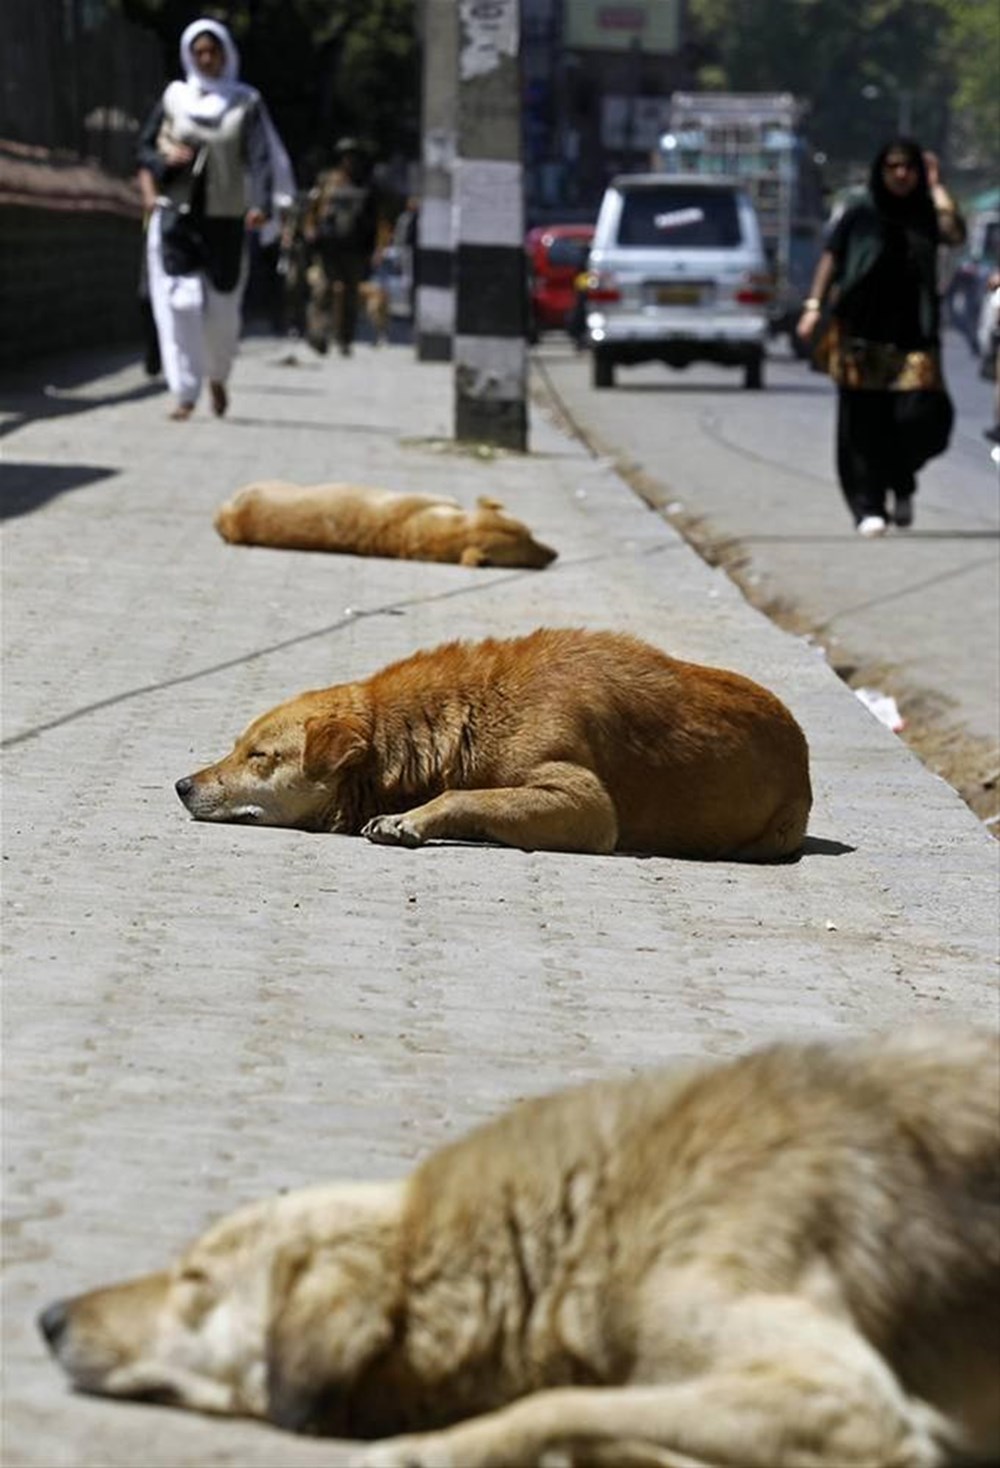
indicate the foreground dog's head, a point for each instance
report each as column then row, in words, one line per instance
column 277, row 1312
column 288, row 767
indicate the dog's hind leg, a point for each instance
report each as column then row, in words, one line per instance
column 782, row 837
column 562, row 807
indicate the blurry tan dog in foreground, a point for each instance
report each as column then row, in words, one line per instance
column 361, row 521
column 559, row 741
column 788, row 1261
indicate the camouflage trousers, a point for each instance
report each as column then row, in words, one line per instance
column 334, row 277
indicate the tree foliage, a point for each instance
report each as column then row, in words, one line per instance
column 325, row 67
column 974, row 42
column 867, row 67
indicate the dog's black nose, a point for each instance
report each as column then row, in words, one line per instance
column 184, row 786
column 53, row 1321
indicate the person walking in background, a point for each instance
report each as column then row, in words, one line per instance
column 877, row 278
column 219, row 170
column 339, row 227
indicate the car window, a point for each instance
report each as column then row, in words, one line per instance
column 568, row 253
column 680, row 218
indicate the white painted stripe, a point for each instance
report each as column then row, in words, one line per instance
column 436, row 309
column 435, row 225
column 493, row 368
column 489, row 202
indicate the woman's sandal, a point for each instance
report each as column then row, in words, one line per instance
column 181, row 413
column 220, row 402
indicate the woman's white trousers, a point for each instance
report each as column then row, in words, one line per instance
column 198, row 327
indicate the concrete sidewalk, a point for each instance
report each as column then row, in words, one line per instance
column 196, row 1015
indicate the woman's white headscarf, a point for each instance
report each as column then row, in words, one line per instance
column 205, row 98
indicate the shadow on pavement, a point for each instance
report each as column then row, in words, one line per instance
column 820, row 846
column 312, row 425
column 844, row 537
column 26, row 487
column 778, row 390
column 26, row 402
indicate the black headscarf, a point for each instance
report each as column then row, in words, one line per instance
column 914, row 210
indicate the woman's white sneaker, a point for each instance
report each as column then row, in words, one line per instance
column 871, row 526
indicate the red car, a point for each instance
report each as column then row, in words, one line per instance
column 556, row 255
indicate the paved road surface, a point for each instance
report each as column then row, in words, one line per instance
column 196, row 1015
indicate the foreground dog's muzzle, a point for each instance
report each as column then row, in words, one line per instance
column 52, row 1322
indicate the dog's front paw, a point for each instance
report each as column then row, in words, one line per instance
column 423, row 1451
column 392, row 831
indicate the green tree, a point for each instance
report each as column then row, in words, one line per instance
column 974, row 40
column 866, row 67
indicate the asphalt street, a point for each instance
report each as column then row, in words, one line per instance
column 197, row 1015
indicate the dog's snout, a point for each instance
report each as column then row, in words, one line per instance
column 184, row 786
column 52, row 1322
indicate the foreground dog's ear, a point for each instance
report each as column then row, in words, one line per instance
column 329, row 1320
column 332, row 743
column 485, row 503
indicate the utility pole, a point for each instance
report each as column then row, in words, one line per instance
column 434, row 266
column 491, row 295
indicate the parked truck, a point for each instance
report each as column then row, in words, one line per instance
column 757, row 137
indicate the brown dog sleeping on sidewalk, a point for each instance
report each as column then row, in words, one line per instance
column 791, row 1260
column 560, row 741
column 361, row 521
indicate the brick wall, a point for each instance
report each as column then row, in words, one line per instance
column 70, row 253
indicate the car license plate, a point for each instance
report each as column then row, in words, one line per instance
column 677, row 293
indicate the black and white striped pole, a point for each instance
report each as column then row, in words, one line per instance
column 434, row 266
column 490, row 292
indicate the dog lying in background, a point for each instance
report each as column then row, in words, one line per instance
column 559, row 741
column 791, row 1260
column 362, row 521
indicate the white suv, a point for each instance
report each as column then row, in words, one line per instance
column 677, row 275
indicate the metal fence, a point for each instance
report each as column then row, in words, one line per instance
column 76, row 76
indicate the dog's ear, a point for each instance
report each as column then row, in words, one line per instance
column 329, row 1320
column 486, row 503
column 332, row 743
column 473, row 556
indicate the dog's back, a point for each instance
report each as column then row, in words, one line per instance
column 872, row 1168
column 697, row 761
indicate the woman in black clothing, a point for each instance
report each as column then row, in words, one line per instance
column 878, row 275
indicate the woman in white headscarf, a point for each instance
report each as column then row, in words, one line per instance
column 218, row 170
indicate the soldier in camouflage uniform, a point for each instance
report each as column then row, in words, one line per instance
column 339, row 226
